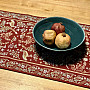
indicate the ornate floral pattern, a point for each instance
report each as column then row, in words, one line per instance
column 19, row 52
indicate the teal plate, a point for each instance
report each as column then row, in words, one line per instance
column 71, row 27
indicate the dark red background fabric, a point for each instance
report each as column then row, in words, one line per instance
column 19, row 52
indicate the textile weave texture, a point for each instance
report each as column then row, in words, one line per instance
column 19, row 52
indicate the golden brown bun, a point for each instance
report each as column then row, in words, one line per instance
column 49, row 37
column 62, row 40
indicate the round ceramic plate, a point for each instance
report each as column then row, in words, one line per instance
column 71, row 27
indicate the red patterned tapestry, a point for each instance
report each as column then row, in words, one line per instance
column 19, row 52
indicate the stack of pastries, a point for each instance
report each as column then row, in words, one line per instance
column 57, row 35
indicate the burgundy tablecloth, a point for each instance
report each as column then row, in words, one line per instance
column 19, row 52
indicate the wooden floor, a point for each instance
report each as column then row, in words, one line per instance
column 77, row 10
